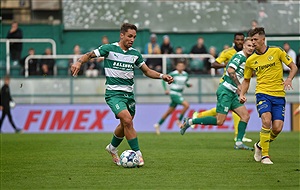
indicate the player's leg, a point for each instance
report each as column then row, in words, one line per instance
column 236, row 120
column 264, row 140
column 129, row 130
column 244, row 116
column 12, row 122
column 162, row 119
column 278, row 109
column 186, row 106
column 223, row 106
column 262, row 147
column 117, row 105
column 2, row 118
column 210, row 112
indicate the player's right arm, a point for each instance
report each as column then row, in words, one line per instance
column 75, row 68
column 246, row 82
column 218, row 64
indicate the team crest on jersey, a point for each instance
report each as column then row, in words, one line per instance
column 270, row 58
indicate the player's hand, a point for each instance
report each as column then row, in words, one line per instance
column 1, row 107
column 243, row 99
column 168, row 78
column 75, row 68
column 288, row 84
column 167, row 92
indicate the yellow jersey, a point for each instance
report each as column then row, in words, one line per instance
column 225, row 56
column 269, row 71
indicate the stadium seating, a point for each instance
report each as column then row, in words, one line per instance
column 62, row 66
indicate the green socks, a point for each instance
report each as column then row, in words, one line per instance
column 209, row 120
column 116, row 141
column 241, row 130
column 134, row 144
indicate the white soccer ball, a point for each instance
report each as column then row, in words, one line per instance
column 129, row 159
column 12, row 104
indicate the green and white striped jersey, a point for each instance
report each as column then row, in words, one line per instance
column 119, row 66
column 237, row 62
column 180, row 81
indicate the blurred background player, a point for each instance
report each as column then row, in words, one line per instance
column 5, row 99
column 176, row 88
column 119, row 85
column 227, row 96
column 221, row 62
column 266, row 61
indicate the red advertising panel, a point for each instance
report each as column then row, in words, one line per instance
column 99, row 118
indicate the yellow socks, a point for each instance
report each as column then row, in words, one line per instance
column 236, row 120
column 211, row 112
column 264, row 141
column 272, row 136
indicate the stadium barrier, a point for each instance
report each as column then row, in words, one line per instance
column 39, row 40
column 164, row 58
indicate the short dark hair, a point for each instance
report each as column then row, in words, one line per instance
column 126, row 26
column 238, row 34
column 6, row 77
column 258, row 30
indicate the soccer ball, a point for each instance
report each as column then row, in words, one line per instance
column 129, row 159
column 12, row 104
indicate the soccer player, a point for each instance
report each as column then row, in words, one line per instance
column 266, row 62
column 224, row 57
column 176, row 88
column 119, row 61
column 227, row 97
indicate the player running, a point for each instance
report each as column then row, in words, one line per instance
column 224, row 57
column 267, row 61
column 227, row 97
column 176, row 88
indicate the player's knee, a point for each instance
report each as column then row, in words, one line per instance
column 127, row 122
column 267, row 123
column 186, row 106
column 220, row 121
column 276, row 130
column 245, row 117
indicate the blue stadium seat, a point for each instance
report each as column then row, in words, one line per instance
column 196, row 65
column 62, row 67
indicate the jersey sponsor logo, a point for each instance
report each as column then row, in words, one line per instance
column 287, row 57
column 264, row 66
column 123, row 65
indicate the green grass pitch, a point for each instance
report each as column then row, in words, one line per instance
column 172, row 161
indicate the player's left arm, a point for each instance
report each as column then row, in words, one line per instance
column 288, row 81
column 156, row 75
column 286, row 59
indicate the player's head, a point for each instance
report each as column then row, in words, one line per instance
column 6, row 79
column 248, row 47
column 180, row 66
column 239, row 40
column 258, row 36
column 127, row 35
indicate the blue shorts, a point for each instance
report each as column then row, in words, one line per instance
column 274, row 105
